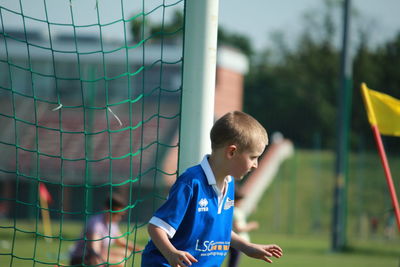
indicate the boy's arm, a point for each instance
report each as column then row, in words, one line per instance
column 176, row 258
column 258, row 251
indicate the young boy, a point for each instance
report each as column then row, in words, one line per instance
column 99, row 229
column 194, row 225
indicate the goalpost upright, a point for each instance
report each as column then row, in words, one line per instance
column 199, row 69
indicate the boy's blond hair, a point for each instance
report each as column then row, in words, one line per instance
column 237, row 128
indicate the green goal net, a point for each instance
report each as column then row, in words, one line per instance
column 90, row 97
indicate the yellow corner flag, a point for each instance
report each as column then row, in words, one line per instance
column 383, row 111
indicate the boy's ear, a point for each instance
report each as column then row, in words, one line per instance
column 231, row 150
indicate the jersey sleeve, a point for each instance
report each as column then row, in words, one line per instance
column 170, row 215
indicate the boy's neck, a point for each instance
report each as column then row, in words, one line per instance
column 219, row 173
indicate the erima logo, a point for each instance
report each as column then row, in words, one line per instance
column 203, row 205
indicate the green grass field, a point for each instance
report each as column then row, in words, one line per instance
column 314, row 251
column 299, row 250
column 26, row 246
column 295, row 213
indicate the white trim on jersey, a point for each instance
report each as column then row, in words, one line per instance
column 163, row 225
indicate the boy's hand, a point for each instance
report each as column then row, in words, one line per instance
column 263, row 252
column 180, row 258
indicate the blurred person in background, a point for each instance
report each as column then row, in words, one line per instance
column 241, row 227
column 101, row 232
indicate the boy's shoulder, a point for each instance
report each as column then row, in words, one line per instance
column 192, row 174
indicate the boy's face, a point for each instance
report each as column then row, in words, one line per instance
column 242, row 162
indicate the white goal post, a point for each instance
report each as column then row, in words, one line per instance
column 199, row 70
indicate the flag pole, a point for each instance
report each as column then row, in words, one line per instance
column 388, row 174
column 382, row 153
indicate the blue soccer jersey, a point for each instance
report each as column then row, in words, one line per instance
column 197, row 218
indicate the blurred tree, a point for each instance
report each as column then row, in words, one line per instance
column 293, row 88
column 235, row 40
column 139, row 27
column 380, row 70
column 170, row 32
